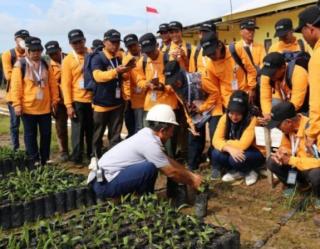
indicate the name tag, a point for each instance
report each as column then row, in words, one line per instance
column 81, row 84
column 234, row 85
column 40, row 94
column 292, row 177
column 118, row 93
column 154, row 96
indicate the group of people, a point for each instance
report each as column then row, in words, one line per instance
column 104, row 87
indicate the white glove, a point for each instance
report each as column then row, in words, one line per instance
column 93, row 163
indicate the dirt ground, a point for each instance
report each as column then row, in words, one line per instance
column 255, row 211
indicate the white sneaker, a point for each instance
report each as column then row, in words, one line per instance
column 93, row 163
column 251, row 178
column 232, row 176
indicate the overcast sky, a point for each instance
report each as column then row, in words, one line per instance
column 52, row 19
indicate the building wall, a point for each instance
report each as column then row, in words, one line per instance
column 231, row 32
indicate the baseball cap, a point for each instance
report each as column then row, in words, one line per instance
column 75, row 35
column 310, row 15
column 248, row 24
column 282, row 27
column 52, row 47
column 22, row 33
column 280, row 112
column 112, row 35
column 172, row 72
column 238, row 102
column 271, row 63
column 130, row 40
column 33, row 43
column 175, row 25
column 148, row 43
column 209, row 43
column 164, row 27
column 208, row 26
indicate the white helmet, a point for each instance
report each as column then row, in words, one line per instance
column 162, row 113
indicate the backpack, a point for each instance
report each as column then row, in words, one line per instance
column 89, row 82
column 300, row 58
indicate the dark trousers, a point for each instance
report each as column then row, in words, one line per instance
column 138, row 178
column 62, row 128
column 182, row 133
column 81, row 128
column 111, row 119
column 14, row 127
column 138, row 119
column 196, row 146
column 253, row 160
column 31, row 124
column 312, row 176
column 129, row 119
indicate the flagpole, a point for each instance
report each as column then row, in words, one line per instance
column 146, row 16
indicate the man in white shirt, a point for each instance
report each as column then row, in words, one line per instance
column 132, row 165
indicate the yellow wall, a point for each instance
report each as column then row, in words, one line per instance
column 266, row 24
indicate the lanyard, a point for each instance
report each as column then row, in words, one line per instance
column 76, row 56
column 204, row 61
column 37, row 74
column 112, row 65
column 294, row 145
column 155, row 72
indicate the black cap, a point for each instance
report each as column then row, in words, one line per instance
column 310, row 15
column 75, row 35
column 209, row 43
column 148, row 43
column 97, row 44
column 248, row 24
column 22, row 34
column 112, row 35
column 271, row 63
column 130, row 40
column 208, row 27
column 280, row 112
column 172, row 72
column 175, row 25
column 239, row 102
column 52, row 47
column 282, row 27
column 164, row 27
column 33, row 43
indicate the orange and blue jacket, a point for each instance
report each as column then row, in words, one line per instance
column 25, row 90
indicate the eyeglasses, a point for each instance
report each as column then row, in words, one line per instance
column 164, row 32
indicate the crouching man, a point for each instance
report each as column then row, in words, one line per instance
column 292, row 163
column 132, row 165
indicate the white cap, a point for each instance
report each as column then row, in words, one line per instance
column 162, row 113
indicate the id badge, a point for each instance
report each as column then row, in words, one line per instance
column 292, row 177
column 234, row 85
column 118, row 93
column 138, row 90
column 81, row 84
column 154, row 96
column 39, row 95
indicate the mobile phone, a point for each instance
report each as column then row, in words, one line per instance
column 131, row 62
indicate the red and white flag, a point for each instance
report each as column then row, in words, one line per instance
column 151, row 10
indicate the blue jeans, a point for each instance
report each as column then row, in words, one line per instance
column 14, row 127
column 254, row 159
column 31, row 124
column 138, row 178
column 138, row 119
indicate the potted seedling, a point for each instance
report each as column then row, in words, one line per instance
column 202, row 197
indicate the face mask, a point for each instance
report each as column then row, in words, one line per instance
column 22, row 44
